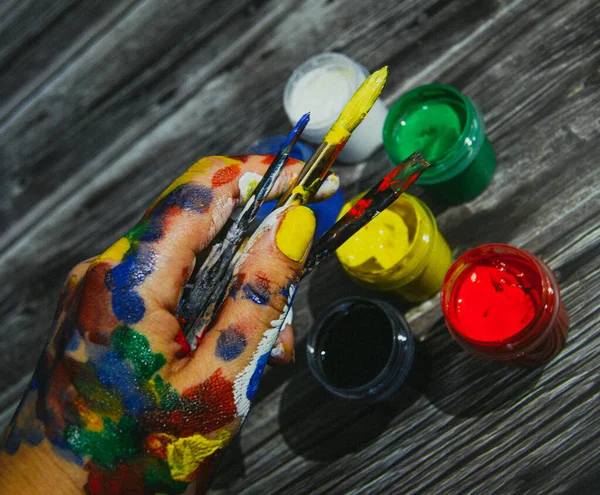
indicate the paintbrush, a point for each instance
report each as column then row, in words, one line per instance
column 208, row 296
column 212, row 279
column 317, row 166
column 377, row 199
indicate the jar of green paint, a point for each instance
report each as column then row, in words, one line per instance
column 449, row 131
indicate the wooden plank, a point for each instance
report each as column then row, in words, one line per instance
column 143, row 91
column 35, row 60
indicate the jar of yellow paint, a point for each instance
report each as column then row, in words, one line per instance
column 401, row 250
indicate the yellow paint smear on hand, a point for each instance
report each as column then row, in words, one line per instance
column 379, row 245
column 116, row 252
column 91, row 421
column 296, row 232
column 184, row 455
column 200, row 167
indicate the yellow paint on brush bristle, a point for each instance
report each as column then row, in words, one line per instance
column 357, row 108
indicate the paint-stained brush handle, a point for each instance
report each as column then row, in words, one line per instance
column 377, row 199
column 317, row 166
column 212, row 279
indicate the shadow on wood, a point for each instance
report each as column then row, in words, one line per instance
column 321, row 427
column 466, row 386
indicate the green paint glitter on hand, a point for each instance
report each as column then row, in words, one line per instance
column 158, row 476
column 132, row 345
column 169, row 398
column 107, row 447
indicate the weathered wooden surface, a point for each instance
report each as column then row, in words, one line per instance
column 103, row 102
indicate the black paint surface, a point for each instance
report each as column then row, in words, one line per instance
column 355, row 346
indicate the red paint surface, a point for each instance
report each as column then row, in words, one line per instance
column 493, row 303
column 226, row 175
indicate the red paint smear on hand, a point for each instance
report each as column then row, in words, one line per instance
column 203, row 409
column 126, row 478
column 492, row 304
column 226, row 175
column 185, row 349
column 95, row 317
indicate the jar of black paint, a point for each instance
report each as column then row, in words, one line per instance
column 361, row 349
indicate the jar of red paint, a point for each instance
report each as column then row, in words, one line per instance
column 503, row 303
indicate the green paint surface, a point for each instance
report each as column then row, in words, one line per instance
column 132, row 345
column 114, row 443
column 431, row 129
column 158, row 476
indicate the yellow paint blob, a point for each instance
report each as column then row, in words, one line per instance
column 296, row 232
column 116, row 252
column 380, row 244
column 184, row 455
column 401, row 249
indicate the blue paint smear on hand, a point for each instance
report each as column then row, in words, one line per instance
column 128, row 306
column 116, row 374
column 138, row 263
column 31, row 435
column 256, row 293
column 255, row 378
column 230, row 344
column 189, row 197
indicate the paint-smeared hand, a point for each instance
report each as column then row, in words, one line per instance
column 118, row 402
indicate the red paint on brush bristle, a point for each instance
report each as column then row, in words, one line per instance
column 359, row 208
column 390, row 182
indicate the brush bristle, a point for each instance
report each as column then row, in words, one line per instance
column 358, row 107
column 297, row 130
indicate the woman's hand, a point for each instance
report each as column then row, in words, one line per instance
column 119, row 403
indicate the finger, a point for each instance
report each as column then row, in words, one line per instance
column 282, row 353
column 329, row 187
column 240, row 340
column 146, row 270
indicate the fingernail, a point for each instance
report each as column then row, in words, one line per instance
column 296, row 232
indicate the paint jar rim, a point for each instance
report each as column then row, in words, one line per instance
column 526, row 339
column 395, row 371
column 456, row 158
column 426, row 228
column 325, row 59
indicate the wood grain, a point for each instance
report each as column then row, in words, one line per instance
column 104, row 102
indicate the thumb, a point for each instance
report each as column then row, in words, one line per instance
column 240, row 340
